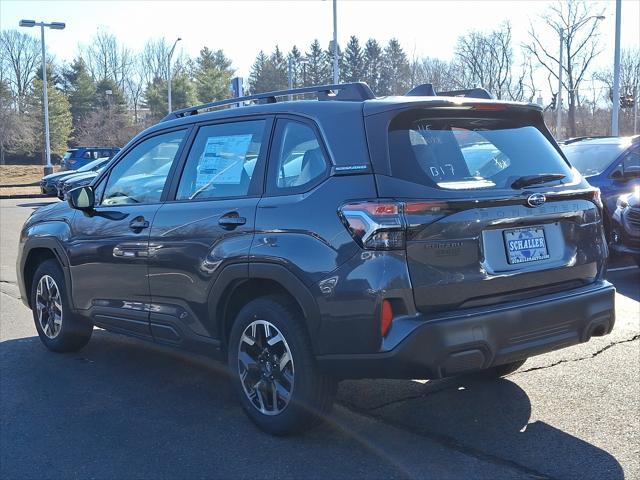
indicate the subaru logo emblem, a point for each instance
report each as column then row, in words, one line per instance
column 536, row 200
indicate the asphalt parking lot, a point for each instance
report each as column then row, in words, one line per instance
column 121, row 408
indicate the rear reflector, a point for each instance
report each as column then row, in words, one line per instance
column 386, row 317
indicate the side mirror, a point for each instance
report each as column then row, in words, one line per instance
column 81, row 198
column 618, row 173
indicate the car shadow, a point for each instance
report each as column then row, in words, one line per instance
column 121, row 408
column 487, row 418
column 37, row 204
column 627, row 282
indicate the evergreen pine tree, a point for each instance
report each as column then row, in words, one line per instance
column 395, row 72
column 353, row 69
column 372, row 64
column 212, row 75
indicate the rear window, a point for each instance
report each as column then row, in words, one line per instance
column 469, row 153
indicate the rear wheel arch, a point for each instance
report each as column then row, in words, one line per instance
column 263, row 280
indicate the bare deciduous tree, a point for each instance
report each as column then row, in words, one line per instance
column 486, row 60
column 107, row 59
column 20, row 55
column 576, row 20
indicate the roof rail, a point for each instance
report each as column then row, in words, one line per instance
column 424, row 90
column 357, row 91
column 587, row 137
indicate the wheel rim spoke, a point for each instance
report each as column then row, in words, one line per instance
column 265, row 367
column 49, row 306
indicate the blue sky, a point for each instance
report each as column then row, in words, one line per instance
column 242, row 28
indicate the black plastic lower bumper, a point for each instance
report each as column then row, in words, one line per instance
column 474, row 340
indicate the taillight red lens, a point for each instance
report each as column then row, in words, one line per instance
column 386, row 317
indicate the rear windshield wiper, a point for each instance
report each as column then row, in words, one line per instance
column 534, row 179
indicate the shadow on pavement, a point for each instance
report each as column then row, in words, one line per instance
column 36, row 204
column 627, row 282
column 121, row 409
column 484, row 418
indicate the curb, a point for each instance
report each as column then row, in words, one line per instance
column 25, row 195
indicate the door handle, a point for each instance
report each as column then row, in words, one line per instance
column 138, row 223
column 231, row 220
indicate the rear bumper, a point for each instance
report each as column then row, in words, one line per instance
column 478, row 339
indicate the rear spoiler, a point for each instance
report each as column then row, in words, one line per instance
column 427, row 90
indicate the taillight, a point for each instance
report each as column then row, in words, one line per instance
column 376, row 224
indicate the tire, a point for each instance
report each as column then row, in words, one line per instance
column 500, row 370
column 58, row 328
column 303, row 396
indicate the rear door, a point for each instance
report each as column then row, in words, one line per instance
column 494, row 212
column 206, row 225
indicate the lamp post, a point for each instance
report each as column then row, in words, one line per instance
column 169, row 73
column 616, row 73
column 560, row 62
column 48, row 168
column 336, row 71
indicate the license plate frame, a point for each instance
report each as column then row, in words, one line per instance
column 530, row 249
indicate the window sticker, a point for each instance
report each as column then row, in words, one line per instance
column 222, row 160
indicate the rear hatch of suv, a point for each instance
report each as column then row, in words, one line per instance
column 491, row 211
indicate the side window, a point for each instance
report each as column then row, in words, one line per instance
column 87, row 154
column 631, row 162
column 139, row 177
column 222, row 161
column 299, row 159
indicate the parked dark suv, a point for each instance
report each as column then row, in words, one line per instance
column 416, row 236
column 74, row 158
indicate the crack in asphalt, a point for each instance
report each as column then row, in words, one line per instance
column 593, row 355
column 454, row 444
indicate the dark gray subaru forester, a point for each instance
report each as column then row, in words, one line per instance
column 339, row 236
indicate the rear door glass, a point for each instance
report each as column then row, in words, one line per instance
column 469, row 153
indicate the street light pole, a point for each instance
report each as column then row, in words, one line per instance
column 616, row 74
column 559, row 97
column 169, row 73
column 336, row 72
column 48, row 168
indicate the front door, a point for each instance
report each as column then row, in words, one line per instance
column 206, row 224
column 109, row 250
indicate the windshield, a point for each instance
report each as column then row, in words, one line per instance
column 590, row 159
column 68, row 154
column 469, row 153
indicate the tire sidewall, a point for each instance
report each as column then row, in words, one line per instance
column 302, row 397
column 69, row 328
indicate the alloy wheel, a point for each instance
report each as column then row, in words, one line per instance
column 265, row 367
column 49, row 306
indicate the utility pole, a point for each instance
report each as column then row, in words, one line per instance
column 169, row 73
column 336, row 72
column 616, row 74
column 559, row 98
column 48, row 168
column 635, row 110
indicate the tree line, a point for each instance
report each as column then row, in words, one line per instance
column 109, row 92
